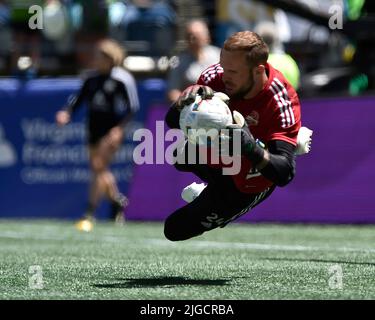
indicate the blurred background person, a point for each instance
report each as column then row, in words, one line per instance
column 278, row 58
column 198, row 56
column 150, row 23
column 238, row 15
column 112, row 100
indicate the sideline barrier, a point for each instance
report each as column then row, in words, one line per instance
column 43, row 168
column 44, row 173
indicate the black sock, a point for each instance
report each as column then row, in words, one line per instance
column 119, row 204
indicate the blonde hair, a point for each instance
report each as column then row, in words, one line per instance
column 256, row 49
column 113, row 51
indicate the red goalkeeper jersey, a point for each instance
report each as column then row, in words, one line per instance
column 273, row 114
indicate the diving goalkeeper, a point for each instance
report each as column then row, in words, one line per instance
column 271, row 110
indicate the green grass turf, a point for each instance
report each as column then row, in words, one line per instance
column 241, row 261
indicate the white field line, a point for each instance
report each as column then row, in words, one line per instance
column 197, row 244
column 261, row 246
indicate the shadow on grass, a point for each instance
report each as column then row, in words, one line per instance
column 161, row 282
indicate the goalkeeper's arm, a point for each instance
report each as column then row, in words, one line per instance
column 76, row 101
column 277, row 163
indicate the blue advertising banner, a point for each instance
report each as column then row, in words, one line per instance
column 44, row 168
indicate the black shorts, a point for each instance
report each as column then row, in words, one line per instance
column 95, row 134
column 94, row 138
column 99, row 126
column 218, row 204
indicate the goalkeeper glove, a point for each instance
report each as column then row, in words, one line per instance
column 189, row 95
column 250, row 147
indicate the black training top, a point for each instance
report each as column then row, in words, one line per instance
column 110, row 99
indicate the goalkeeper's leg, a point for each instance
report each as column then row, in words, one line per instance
column 217, row 205
column 191, row 164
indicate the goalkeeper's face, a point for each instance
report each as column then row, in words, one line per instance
column 237, row 77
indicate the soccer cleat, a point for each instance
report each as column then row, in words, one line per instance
column 304, row 140
column 120, row 219
column 192, row 191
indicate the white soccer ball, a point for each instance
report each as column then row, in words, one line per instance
column 202, row 120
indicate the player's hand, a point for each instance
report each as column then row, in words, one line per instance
column 62, row 117
column 115, row 136
column 189, row 95
column 235, row 137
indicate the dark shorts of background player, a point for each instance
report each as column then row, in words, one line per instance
column 218, row 204
column 97, row 132
column 94, row 138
